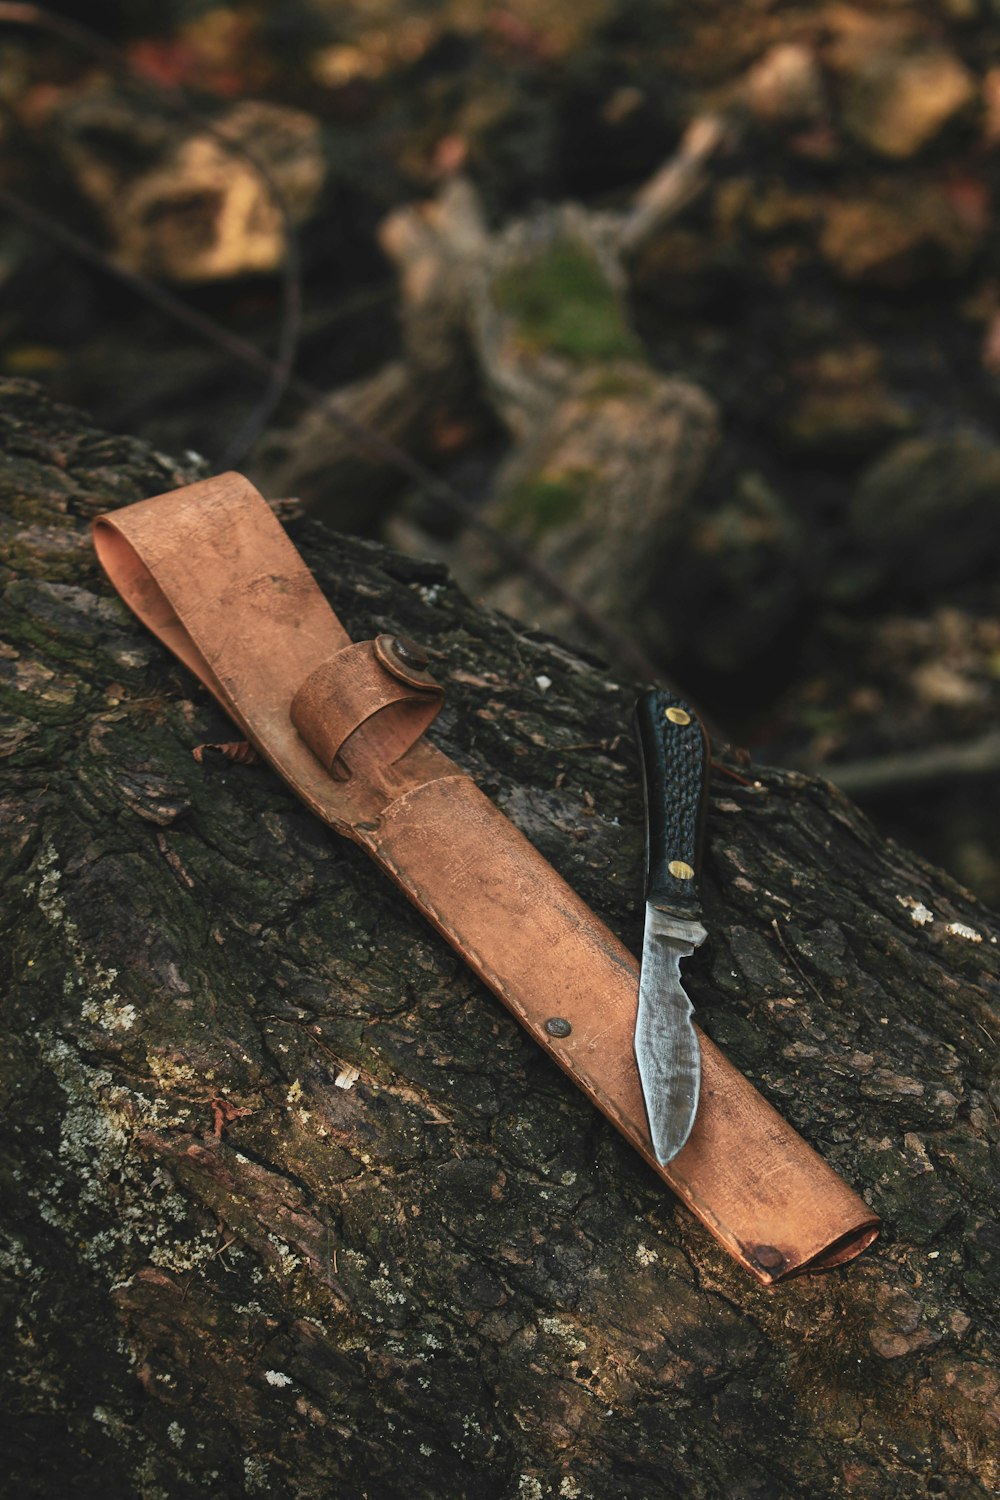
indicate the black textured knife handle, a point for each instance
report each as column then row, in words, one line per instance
column 675, row 764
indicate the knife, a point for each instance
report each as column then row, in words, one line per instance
column 675, row 758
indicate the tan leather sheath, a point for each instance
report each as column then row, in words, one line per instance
column 211, row 572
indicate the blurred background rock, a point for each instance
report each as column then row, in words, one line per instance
column 697, row 306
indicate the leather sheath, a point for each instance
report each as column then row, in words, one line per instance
column 210, row 570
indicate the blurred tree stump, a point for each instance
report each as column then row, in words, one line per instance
column 292, row 1207
column 183, row 200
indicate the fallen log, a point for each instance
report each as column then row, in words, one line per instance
column 293, row 1207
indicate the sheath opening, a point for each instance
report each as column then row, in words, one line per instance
column 143, row 595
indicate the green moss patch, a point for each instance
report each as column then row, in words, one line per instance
column 562, row 302
column 546, row 501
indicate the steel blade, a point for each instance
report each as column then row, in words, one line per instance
column 666, row 1044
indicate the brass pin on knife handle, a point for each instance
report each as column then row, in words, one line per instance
column 675, row 758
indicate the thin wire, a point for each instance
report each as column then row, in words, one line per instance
column 619, row 646
column 279, row 369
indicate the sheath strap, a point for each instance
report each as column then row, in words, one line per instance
column 356, row 712
column 212, row 573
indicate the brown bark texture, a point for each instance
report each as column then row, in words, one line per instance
column 291, row 1207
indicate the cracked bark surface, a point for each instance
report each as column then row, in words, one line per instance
column 224, row 1272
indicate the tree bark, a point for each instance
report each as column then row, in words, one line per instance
column 293, row 1208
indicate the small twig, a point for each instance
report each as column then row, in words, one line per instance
column 676, row 183
column 723, row 770
column 606, row 746
column 221, row 1250
column 910, row 768
column 794, row 961
column 982, row 1028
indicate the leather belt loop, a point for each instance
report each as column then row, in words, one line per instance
column 364, row 707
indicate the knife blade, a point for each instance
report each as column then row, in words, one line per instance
column 675, row 759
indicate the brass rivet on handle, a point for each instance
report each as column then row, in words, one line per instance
column 678, row 715
column 680, row 870
column 557, row 1026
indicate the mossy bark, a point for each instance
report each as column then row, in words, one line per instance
column 229, row 1270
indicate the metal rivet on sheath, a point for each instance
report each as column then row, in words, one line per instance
column 556, row 1026
column 409, row 652
column 405, row 659
column 768, row 1257
column 678, row 715
column 680, row 870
